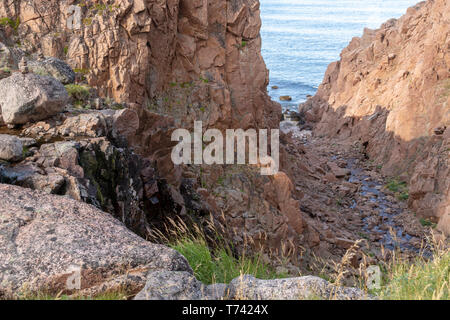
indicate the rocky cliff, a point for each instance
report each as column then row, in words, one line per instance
column 166, row 63
column 191, row 59
column 390, row 93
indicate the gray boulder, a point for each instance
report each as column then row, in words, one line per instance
column 53, row 244
column 53, row 67
column 11, row 148
column 30, row 97
column 302, row 288
column 168, row 285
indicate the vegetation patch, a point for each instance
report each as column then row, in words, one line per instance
column 13, row 23
column 420, row 280
column 220, row 265
column 400, row 188
column 79, row 93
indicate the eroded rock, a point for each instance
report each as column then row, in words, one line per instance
column 43, row 237
column 53, row 67
column 29, row 97
column 11, row 148
column 167, row 285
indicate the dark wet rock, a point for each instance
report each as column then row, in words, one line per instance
column 285, row 98
column 43, row 237
column 84, row 125
column 29, row 175
column 29, row 97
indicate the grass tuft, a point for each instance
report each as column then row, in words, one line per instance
column 421, row 279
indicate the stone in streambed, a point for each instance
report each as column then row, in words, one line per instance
column 285, row 98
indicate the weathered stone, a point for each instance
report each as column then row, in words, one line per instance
column 11, row 148
column 166, row 285
column 303, row 288
column 29, row 97
column 43, row 237
column 53, row 67
column 169, row 285
column 29, row 175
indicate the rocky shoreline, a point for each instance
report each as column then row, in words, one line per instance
column 86, row 178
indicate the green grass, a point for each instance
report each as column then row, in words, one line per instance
column 10, row 22
column 400, row 189
column 219, row 265
column 427, row 223
column 420, row 280
column 78, row 92
column 396, row 186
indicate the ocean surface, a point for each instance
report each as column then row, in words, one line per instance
column 302, row 37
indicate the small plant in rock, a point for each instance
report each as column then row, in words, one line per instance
column 399, row 188
column 14, row 24
column 427, row 223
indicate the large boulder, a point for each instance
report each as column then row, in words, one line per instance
column 11, row 148
column 46, row 240
column 167, row 285
column 53, row 67
column 302, row 288
column 30, row 97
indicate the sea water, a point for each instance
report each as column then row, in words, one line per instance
column 302, row 37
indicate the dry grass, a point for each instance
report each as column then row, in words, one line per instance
column 213, row 259
column 420, row 279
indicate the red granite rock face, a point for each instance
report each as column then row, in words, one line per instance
column 193, row 59
column 391, row 93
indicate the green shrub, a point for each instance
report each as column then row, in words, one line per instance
column 427, row 223
column 396, row 186
column 78, row 92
